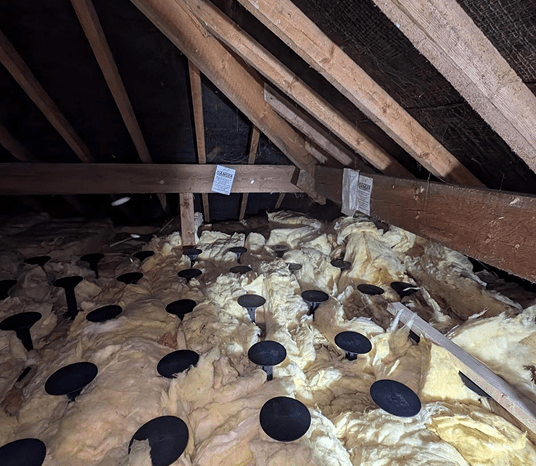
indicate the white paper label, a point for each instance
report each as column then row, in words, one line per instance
column 350, row 179
column 223, row 180
column 364, row 192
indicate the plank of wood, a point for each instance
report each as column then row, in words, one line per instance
column 279, row 201
column 307, row 126
column 89, row 20
column 450, row 40
column 502, row 392
column 294, row 28
column 265, row 63
column 252, row 153
column 316, row 152
column 115, row 178
column 199, row 126
column 242, row 86
column 14, row 147
column 29, row 83
column 187, row 219
column 495, row 227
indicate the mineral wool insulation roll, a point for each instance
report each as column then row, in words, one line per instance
column 220, row 398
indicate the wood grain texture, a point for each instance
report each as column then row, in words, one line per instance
column 187, row 219
column 495, row 227
column 110, row 178
column 310, row 128
column 199, row 126
column 450, row 40
column 29, row 83
column 252, row 154
column 503, row 393
column 241, row 85
column 280, row 76
column 292, row 26
column 89, row 20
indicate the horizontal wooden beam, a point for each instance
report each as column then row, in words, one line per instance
column 29, row 83
column 303, row 36
column 286, row 81
column 443, row 32
column 511, row 399
column 495, row 227
column 114, row 178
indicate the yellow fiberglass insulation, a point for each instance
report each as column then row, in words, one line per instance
column 220, row 398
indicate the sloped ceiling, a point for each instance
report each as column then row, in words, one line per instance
column 49, row 38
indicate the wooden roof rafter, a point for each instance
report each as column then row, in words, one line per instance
column 306, row 39
column 241, row 43
column 89, row 20
column 29, row 83
column 241, row 85
column 451, row 41
column 199, row 126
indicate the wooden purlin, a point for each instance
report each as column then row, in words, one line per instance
column 492, row 226
column 252, row 154
column 29, row 83
column 241, row 43
column 451, row 41
column 89, row 20
column 199, row 124
column 294, row 28
column 120, row 178
column 241, row 85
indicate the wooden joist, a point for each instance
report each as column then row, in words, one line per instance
column 450, row 40
column 187, row 219
column 292, row 26
column 241, row 85
column 90, row 23
column 511, row 399
column 492, row 226
column 252, row 154
column 29, row 83
column 199, row 126
column 114, row 178
column 265, row 63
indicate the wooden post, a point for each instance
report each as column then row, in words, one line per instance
column 253, row 145
column 187, row 219
column 199, row 124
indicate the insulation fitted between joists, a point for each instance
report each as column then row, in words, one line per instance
column 221, row 397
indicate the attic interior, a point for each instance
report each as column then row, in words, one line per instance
column 364, row 293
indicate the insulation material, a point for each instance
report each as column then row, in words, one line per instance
column 220, row 398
